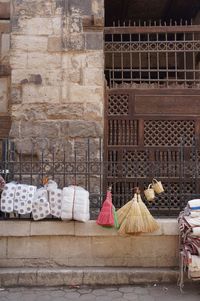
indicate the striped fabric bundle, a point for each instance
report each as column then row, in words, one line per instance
column 189, row 231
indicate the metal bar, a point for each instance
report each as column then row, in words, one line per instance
column 152, row 29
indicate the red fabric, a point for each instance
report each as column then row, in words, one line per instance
column 106, row 216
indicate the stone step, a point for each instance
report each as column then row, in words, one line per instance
column 85, row 276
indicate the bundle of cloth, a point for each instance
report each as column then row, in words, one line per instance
column 189, row 229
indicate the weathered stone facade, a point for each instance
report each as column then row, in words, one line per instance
column 57, row 69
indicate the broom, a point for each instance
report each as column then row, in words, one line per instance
column 106, row 215
column 123, row 211
column 150, row 224
column 133, row 222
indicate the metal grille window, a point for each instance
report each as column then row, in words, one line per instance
column 153, row 56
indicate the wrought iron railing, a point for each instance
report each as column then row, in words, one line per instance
column 84, row 166
column 152, row 55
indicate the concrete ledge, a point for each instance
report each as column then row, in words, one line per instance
column 85, row 276
column 59, row 228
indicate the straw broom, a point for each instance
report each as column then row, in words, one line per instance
column 133, row 222
column 150, row 224
column 123, row 211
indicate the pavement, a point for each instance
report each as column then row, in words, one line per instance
column 155, row 292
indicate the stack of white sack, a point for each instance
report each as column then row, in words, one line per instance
column 41, row 208
column 194, row 205
column 75, row 204
column 55, row 198
column 7, row 197
column 24, row 195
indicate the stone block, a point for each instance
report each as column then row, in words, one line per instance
column 75, row 24
column 98, row 7
column 94, row 41
column 93, row 76
column 29, row 43
column 84, row 129
column 3, row 247
column 28, row 247
column 28, row 277
column 5, row 44
column 95, row 59
column 15, row 129
column 111, row 247
column 52, row 228
column 14, row 228
column 65, row 247
column 66, row 111
column 83, row 7
column 48, row 61
column 58, row 277
column 54, row 44
column 16, row 94
column 39, row 129
column 18, row 59
column 82, row 94
column 39, row 94
column 92, row 229
column 76, row 41
column 38, row 26
column 51, row 77
column 94, row 111
column 4, row 95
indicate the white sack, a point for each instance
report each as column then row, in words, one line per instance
column 41, row 208
column 55, row 201
column 7, row 197
column 23, row 200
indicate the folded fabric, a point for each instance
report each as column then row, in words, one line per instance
column 23, row 200
column 195, row 213
column 196, row 231
column 7, row 197
column 55, row 201
column 194, row 265
column 41, row 208
column 194, row 204
column 193, row 221
column 67, row 203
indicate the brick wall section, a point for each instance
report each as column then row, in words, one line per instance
column 57, row 69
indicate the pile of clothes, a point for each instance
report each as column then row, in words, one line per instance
column 189, row 227
column 69, row 203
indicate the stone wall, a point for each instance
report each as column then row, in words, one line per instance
column 74, row 244
column 57, row 70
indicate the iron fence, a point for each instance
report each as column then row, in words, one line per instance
column 84, row 165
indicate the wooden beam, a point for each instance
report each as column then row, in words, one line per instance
column 4, row 10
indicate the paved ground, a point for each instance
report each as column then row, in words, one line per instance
column 134, row 293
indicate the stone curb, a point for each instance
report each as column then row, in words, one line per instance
column 31, row 277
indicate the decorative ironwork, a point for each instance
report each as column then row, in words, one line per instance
column 124, row 169
column 156, row 56
column 168, row 132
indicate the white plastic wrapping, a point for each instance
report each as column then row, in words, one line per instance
column 41, row 208
column 7, row 197
column 55, row 201
column 75, row 204
column 23, row 199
